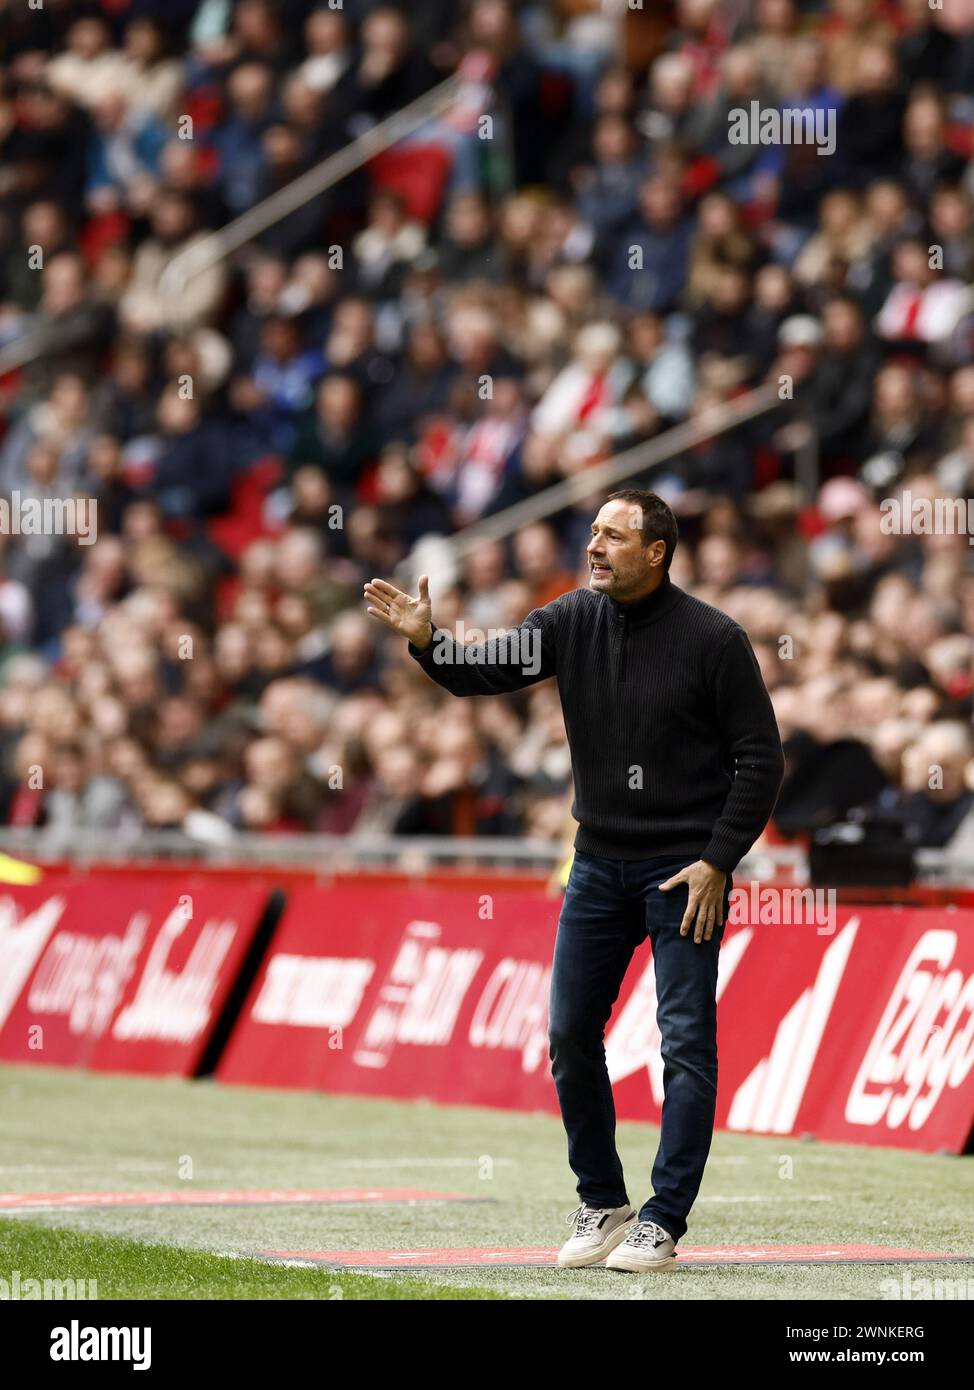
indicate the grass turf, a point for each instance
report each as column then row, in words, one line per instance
column 67, row 1130
column 131, row 1269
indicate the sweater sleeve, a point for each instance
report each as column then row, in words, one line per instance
column 520, row 657
column 749, row 733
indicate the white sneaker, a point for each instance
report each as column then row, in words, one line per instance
column 597, row 1231
column 646, row 1247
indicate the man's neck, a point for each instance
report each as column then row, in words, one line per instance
column 661, row 583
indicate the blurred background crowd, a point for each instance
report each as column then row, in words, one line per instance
column 445, row 333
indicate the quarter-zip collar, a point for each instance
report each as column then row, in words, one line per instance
column 650, row 607
column 629, row 617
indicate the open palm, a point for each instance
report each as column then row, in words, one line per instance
column 410, row 617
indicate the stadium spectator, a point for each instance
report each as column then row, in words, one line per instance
column 149, row 304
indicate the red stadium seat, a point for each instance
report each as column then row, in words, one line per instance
column 418, row 174
column 245, row 520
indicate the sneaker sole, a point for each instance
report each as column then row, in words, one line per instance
column 632, row 1266
column 595, row 1257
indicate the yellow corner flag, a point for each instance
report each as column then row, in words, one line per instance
column 16, row 871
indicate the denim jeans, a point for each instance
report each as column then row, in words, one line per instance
column 610, row 907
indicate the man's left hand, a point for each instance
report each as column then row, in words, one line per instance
column 705, row 905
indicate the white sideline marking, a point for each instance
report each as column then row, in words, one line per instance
column 761, row 1197
column 417, row 1162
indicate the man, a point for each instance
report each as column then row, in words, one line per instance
column 676, row 762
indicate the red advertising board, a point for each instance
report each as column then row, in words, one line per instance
column 123, row 974
column 392, row 990
column 854, row 1024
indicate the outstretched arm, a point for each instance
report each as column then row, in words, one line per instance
column 519, row 657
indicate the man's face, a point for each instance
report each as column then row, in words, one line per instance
column 619, row 564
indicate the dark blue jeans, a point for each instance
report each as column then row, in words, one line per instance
column 610, row 907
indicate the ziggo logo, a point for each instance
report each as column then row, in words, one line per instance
column 924, row 1042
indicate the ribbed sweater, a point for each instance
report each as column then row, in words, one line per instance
column 674, row 745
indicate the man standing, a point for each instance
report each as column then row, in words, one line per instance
column 676, row 762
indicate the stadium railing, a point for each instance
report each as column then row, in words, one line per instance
column 250, row 224
column 385, row 852
column 309, row 849
column 440, row 556
column 222, row 244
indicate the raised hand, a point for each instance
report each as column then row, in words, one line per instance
column 410, row 617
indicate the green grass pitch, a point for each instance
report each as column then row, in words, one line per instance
column 74, row 1131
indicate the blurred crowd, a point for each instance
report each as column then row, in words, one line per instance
column 477, row 314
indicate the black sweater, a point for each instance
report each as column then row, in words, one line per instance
column 674, row 744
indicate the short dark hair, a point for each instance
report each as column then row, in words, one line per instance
column 657, row 520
